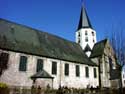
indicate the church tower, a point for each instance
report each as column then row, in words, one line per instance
column 85, row 34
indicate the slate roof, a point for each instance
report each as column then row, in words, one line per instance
column 20, row 38
column 87, row 48
column 42, row 74
column 98, row 48
column 84, row 21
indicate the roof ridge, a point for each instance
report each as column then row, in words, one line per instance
column 98, row 48
column 104, row 40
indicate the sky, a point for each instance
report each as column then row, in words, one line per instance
column 61, row 17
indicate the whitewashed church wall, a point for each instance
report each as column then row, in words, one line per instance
column 44, row 83
column 48, row 68
column 13, row 77
column 82, row 81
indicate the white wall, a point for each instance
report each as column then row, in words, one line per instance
column 123, row 76
column 12, row 76
column 82, row 37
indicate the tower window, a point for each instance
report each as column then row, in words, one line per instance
column 79, row 34
column 79, row 40
column 93, row 40
column 86, row 39
column 93, row 33
column 86, row 33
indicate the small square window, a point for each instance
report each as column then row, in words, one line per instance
column 86, row 33
column 93, row 33
column 79, row 40
column 79, row 34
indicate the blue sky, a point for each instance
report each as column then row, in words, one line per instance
column 61, row 17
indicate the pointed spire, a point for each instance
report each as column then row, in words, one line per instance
column 84, row 19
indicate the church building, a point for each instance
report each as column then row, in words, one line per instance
column 31, row 57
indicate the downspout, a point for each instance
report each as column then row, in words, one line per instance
column 60, row 74
column 100, row 85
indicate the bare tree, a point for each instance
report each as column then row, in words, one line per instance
column 117, row 40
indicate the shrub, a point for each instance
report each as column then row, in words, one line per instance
column 4, row 88
column 3, row 85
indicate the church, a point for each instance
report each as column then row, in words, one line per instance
column 32, row 57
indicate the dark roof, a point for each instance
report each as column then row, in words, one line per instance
column 98, row 48
column 20, row 38
column 87, row 48
column 42, row 74
column 84, row 21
